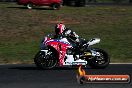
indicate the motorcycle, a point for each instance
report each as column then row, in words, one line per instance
column 61, row 52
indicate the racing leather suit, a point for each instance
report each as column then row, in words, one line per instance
column 70, row 35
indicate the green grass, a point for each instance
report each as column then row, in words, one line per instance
column 21, row 30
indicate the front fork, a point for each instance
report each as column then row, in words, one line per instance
column 89, row 54
column 94, row 53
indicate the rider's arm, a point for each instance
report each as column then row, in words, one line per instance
column 77, row 37
column 71, row 34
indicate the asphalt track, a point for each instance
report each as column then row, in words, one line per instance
column 28, row 76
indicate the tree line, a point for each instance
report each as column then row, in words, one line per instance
column 117, row 1
column 130, row 1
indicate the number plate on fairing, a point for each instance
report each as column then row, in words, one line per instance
column 71, row 61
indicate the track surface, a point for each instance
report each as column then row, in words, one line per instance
column 28, row 76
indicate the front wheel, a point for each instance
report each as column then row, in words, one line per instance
column 100, row 60
column 45, row 61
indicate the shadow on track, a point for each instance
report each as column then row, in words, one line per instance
column 35, row 68
column 55, row 68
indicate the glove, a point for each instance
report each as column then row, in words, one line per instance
column 77, row 40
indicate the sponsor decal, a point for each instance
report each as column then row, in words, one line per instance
column 82, row 78
column 78, row 63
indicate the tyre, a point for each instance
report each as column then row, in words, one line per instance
column 55, row 6
column 44, row 61
column 102, row 60
column 29, row 5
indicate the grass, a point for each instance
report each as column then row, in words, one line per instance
column 21, row 30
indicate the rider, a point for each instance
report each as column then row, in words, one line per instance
column 61, row 30
column 72, row 37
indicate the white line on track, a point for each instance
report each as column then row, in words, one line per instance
column 120, row 63
column 33, row 64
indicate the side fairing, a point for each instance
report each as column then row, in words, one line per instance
column 60, row 47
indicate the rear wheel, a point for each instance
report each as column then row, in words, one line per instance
column 45, row 61
column 29, row 5
column 55, row 6
column 100, row 60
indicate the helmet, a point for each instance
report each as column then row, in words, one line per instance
column 59, row 28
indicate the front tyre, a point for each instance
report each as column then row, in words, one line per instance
column 101, row 60
column 44, row 61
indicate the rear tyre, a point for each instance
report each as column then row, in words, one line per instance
column 29, row 5
column 100, row 61
column 55, row 6
column 44, row 61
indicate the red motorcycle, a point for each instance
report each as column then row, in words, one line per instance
column 61, row 52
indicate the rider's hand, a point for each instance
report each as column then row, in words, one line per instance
column 77, row 40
